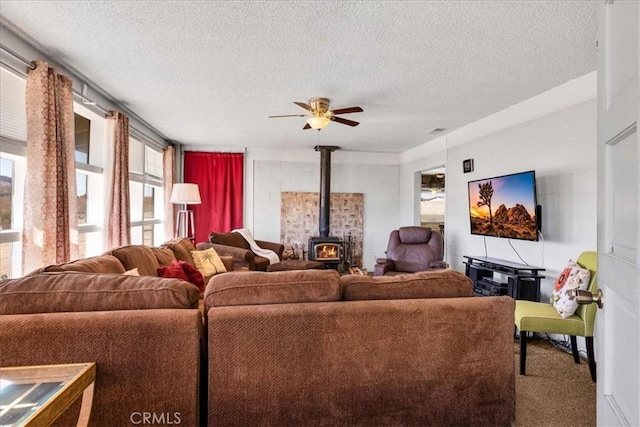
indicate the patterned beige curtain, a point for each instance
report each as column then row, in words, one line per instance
column 117, row 229
column 50, row 233
column 168, row 172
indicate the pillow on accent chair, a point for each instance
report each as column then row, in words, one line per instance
column 563, row 298
column 193, row 274
column 208, row 262
column 173, row 270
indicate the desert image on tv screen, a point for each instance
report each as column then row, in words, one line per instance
column 504, row 206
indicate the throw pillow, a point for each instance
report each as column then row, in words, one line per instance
column 193, row 274
column 208, row 262
column 563, row 297
column 173, row 270
column 132, row 272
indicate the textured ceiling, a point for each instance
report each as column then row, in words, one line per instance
column 209, row 73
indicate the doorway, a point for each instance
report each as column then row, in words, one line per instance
column 432, row 199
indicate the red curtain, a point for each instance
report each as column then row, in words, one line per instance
column 220, row 179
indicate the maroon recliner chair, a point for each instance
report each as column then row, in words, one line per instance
column 411, row 249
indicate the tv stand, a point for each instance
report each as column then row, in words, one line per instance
column 523, row 281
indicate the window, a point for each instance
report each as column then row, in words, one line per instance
column 81, row 187
column 13, row 136
column 13, row 120
column 146, row 194
column 12, row 169
column 89, row 134
column 89, row 141
column 6, row 209
column 83, row 136
column 6, row 193
column 147, row 207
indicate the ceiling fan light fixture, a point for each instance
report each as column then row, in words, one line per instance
column 318, row 122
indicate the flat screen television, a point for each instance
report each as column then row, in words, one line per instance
column 505, row 206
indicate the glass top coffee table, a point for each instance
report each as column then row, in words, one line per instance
column 37, row 395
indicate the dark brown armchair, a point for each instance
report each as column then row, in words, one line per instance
column 234, row 245
column 411, row 249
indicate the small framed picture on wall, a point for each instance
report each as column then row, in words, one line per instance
column 467, row 165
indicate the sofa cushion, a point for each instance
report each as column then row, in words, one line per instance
column 96, row 264
column 164, row 256
column 252, row 288
column 181, row 248
column 427, row 284
column 229, row 239
column 296, row 264
column 74, row 292
column 139, row 256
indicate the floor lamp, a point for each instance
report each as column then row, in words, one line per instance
column 185, row 194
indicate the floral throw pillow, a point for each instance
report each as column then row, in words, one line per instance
column 563, row 298
column 208, row 262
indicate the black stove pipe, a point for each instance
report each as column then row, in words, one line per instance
column 325, row 187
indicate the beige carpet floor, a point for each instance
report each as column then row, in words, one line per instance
column 555, row 391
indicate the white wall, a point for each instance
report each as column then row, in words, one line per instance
column 373, row 174
column 554, row 134
column 561, row 148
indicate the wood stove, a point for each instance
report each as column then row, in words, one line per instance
column 329, row 250
column 325, row 248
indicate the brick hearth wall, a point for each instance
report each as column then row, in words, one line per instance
column 299, row 219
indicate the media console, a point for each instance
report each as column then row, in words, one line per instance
column 523, row 281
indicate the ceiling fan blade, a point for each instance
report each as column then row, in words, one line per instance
column 306, row 126
column 344, row 121
column 348, row 110
column 303, row 105
column 289, row 115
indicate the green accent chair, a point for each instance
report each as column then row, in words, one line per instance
column 533, row 316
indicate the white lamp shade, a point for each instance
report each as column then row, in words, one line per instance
column 185, row 194
column 318, row 122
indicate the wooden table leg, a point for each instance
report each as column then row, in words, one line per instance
column 85, row 408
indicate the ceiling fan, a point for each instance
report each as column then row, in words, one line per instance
column 319, row 115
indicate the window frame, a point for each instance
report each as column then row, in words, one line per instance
column 147, row 179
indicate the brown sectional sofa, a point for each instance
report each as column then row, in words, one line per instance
column 285, row 348
column 144, row 334
column 313, row 348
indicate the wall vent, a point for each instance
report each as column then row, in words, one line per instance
column 435, row 130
